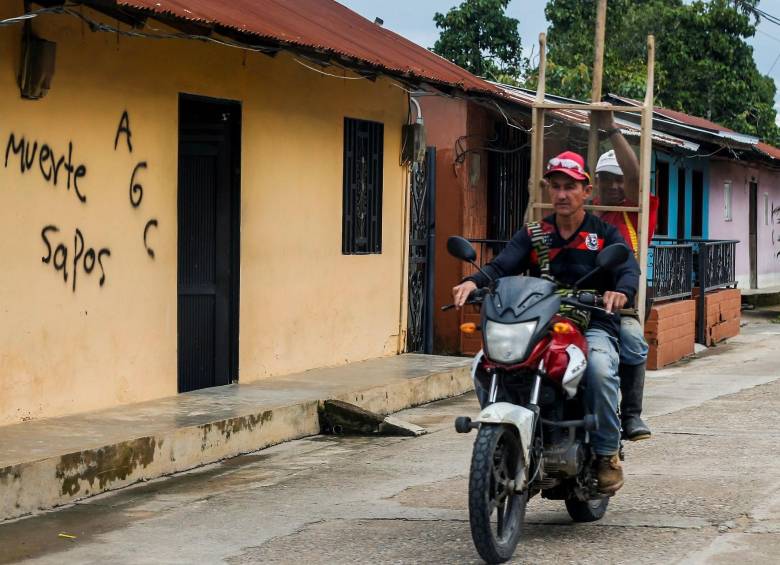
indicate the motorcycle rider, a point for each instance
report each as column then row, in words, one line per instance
column 617, row 184
column 572, row 238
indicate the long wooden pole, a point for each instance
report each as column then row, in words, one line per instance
column 598, row 71
column 537, row 136
column 645, row 156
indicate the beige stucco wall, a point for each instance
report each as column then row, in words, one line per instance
column 303, row 304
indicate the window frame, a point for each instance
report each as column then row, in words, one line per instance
column 361, row 213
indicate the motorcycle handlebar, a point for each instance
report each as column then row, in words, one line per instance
column 588, row 301
column 476, row 297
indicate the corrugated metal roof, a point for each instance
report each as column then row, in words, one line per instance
column 768, row 150
column 322, row 25
column 686, row 120
column 581, row 118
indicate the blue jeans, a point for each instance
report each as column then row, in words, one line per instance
column 602, row 388
column 633, row 347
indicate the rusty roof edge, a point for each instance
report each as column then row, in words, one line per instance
column 566, row 116
column 359, row 62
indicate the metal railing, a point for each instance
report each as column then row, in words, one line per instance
column 669, row 272
column 712, row 267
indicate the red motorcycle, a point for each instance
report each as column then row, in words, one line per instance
column 533, row 431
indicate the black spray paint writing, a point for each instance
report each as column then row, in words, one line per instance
column 149, row 224
column 82, row 258
column 775, row 220
column 136, row 188
column 49, row 165
column 124, row 128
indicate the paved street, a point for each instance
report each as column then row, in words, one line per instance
column 705, row 489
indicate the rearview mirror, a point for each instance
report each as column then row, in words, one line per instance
column 461, row 248
column 612, row 255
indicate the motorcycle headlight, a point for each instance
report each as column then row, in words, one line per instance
column 508, row 343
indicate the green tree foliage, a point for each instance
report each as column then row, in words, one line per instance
column 478, row 36
column 703, row 67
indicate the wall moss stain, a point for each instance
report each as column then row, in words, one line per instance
column 232, row 426
column 105, row 465
column 9, row 474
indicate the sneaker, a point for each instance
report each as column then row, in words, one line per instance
column 609, row 473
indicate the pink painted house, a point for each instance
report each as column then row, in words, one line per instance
column 745, row 205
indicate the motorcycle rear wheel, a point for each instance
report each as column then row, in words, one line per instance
column 587, row 510
column 496, row 512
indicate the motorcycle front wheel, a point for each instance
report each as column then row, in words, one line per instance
column 496, row 511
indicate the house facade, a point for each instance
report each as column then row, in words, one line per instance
column 178, row 213
column 745, row 205
column 694, row 164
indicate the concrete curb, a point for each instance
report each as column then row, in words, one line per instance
column 29, row 487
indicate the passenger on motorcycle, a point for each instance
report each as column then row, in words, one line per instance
column 572, row 238
column 617, row 184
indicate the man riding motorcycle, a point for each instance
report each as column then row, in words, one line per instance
column 564, row 245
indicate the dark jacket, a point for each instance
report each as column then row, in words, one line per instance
column 569, row 261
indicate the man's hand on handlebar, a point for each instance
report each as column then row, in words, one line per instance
column 614, row 301
column 461, row 292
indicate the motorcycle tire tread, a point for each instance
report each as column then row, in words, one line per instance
column 583, row 511
column 479, row 483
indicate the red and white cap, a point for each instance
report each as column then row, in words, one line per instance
column 568, row 163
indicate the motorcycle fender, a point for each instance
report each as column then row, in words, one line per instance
column 475, row 365
column 513, row 415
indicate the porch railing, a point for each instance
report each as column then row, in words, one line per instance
column 669, row 272
column 712, row 267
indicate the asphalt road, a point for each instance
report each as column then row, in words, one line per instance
column 705, row 489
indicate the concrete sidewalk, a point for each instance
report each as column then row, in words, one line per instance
column 758, row 297
column 51, row 462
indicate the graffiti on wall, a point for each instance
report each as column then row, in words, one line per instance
column 74, row 257
column 136, row 188
column 52, row 169
column 82, row 258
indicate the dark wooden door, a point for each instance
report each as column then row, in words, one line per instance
column 753, row 235
column 681, row 193
column 207, row 259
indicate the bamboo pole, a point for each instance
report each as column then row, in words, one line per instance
column 598, row 71
column 537, row 136
column 645, row 151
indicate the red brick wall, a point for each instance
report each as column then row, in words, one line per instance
column 723, row 310
column 670, row 331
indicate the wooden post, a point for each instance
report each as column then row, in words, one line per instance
column 537, row 137
column 598, row 71
column 645, row 156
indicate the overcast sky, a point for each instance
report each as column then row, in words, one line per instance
column 414, row 20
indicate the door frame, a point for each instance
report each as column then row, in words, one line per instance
column 234, row 111
column 753, row 231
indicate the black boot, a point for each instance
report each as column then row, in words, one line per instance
column 632, row 385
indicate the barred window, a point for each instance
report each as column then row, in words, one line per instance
column 361, row 231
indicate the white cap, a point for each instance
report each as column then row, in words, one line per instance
column 608, row 163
